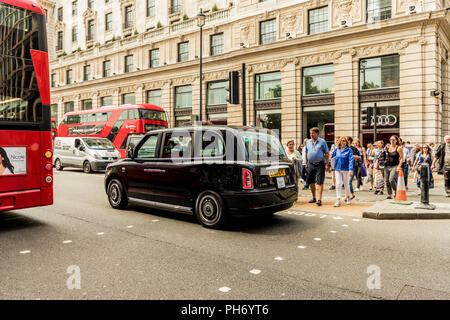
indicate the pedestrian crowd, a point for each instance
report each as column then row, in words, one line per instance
column 377, row 165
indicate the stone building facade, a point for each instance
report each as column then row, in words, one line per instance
column 308, row 63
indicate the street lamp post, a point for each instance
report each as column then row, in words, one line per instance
column 201, row 23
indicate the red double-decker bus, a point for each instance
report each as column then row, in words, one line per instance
column 114, row 123
column 26, row 170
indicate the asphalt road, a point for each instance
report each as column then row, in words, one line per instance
column 141, row 253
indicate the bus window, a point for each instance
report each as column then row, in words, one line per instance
column 103, row 116
column 133, row 114
column 73, row 119
column 147, row 114
column 83, row 118
column 91, row 117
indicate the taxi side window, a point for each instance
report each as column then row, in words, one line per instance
column 177, row 145
column 148, row 149
column 212, row 144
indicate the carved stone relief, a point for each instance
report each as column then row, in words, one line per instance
column 291, row 23
column 247, row 34
column 346, row 10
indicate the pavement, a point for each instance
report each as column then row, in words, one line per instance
column 141, row 253
column 368, row 205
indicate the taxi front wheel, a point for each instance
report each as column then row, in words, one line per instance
column 209, row 210
column 116, row 195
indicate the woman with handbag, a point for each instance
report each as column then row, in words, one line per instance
column 361, row 169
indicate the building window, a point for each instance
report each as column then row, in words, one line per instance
column 90, row 31
column 183, row 51
column 69, row 76
column 183, row 97
column 108, row 21
column 106, row 101
column 54, row 111
column 128, row 17
column 60, row 14
column 86, row 72
column 270, row 119
column 53, row 80
column 318, row 80
column 378, row 10
column 129, row 63
column 68, row 106
column 216, row 44
column 154, row 58
column 129, row 98
column 379, row 73
column 216, row 93
column 150, row 8
column 59, row 45
column 86, row 104
column 321, row 117
column 106, row 68
column 74, row 34
column 175, row 6
column 74, row 8
column 90, row 4
column 154, row 97
column 318, row 20
column 268, row 86
column 268, row 31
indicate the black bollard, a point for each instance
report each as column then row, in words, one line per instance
column 425, row 188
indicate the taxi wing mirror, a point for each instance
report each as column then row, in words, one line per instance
column 130, row 152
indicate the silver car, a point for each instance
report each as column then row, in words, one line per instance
column 90, row 154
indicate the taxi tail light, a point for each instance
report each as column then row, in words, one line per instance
column 247, row 179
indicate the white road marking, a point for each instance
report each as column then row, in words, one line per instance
column 299, row 213
column 338, row 218
column 129, row 227
column 301, row 247
column 356, row 219
column 333, row 231
column 310, row 215
column 345, row 225
column 67, row 241
column 100, row 233
column 255, row 271
column 25, row 251
column 323, row 216
column 279, row 258
column 155, row 220
column 317, row 239
column 224, row 289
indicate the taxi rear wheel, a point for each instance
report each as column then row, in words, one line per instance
column 116, row 195
column 210, row 210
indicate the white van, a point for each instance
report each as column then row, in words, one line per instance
column 91, row 154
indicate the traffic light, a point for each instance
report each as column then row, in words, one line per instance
column 232, row 87
column 366, row 116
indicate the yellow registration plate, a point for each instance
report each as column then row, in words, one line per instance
column 277, row 173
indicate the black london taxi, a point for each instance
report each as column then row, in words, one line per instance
column 211, row 172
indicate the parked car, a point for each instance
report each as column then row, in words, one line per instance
column 212, row 172
column 91, row 154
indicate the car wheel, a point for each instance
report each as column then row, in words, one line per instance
column 209, row 210
column 87, row 167
column 58, row 165
column 116, row 195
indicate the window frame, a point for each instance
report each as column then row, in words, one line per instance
column 106, row 62
column 215, row 89
column 86, row 75
column 261, row 34
column 128, row 67
column 304, row 94
column 212, row 46
column 179, row 53
column 108, row 24
column 380, row 68
column 320, row 22
column 180, row 93
column 150, row 58
column 258, row 90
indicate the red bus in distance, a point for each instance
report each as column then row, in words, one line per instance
column 114, row 123
column 26, row 169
